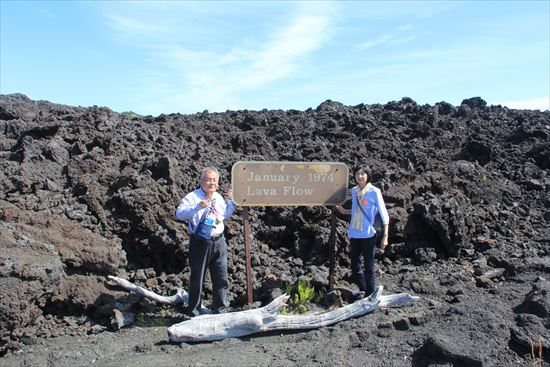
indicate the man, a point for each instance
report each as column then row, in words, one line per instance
column 206, row 210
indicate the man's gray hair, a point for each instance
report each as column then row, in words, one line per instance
column 209, row 169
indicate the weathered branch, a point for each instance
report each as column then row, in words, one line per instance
column 230, row 325
column 208, row 327
column 181, row 295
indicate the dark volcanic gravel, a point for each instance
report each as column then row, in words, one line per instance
column 88, row 192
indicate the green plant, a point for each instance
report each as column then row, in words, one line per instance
column 303, row 292
column 319, row 296
column 300, row 292
column 149, row 321
column 153, row 320
column 284, row 310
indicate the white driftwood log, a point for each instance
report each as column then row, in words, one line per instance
column 181, row 295
column 229, row 325
column 210, row 327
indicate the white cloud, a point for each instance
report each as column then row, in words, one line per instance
column 284, row 51
column 376, row 42
column 214, row 79
column 133, row 26
column 542, row 103
column 402, row 35
column 213, row 68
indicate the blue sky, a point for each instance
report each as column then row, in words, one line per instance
column 186, row 56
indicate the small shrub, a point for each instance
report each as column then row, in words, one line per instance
column 161, row 319
column 300, row 293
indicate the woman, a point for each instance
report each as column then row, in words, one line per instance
column 366, row 203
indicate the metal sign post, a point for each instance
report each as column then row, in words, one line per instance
column 249, row 290
column 288, row 184
column 332, row 245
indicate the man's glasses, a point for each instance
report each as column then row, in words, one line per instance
column 210, row 180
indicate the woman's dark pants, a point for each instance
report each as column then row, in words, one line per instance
column 364, row 274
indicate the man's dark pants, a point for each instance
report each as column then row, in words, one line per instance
column 208, row 254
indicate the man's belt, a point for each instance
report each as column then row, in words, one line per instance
column 217, row 237
column 213, row 238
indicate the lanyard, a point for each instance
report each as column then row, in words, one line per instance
column 207, row 210
column 364, row 212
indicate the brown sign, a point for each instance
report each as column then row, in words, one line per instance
column 289, row 183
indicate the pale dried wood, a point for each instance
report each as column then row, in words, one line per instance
column 181, row 295
column 235, row 324
column 209, row 327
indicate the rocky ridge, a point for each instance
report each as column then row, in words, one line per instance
column 88, row 192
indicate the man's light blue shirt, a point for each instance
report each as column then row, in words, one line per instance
column 189, row 208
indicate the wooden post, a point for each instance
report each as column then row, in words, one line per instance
column 249, row 290
column 332, row 245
